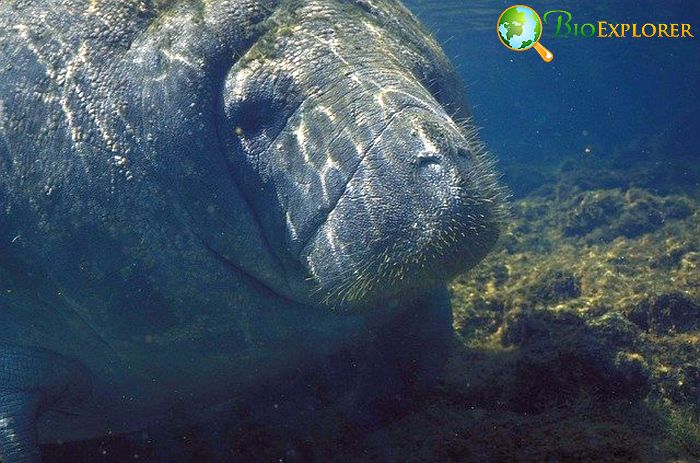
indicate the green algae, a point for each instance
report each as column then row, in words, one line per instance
column 605, row 287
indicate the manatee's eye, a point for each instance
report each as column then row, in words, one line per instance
column 258, row 112
column 258, row 120
column 249, row 117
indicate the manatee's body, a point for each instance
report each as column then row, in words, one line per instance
column 199, row 197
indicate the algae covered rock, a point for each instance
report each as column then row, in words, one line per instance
column 555, row 286
column 591, row 210
column 583, row 326
column 674, row 312
column 607, row 214
column 483, row 317
column 563, row 356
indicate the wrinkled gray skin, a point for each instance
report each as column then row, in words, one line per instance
column 198, row 197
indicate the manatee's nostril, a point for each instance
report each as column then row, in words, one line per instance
column 427, row 161
column 428, row 165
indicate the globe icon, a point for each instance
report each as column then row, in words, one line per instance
column 520, row 28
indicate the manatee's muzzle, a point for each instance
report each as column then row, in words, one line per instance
column 422, row 206
column 338, row 131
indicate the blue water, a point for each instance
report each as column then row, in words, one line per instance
column 598, row 93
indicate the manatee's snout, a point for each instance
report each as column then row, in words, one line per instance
column 339, row 129
column 422, row 206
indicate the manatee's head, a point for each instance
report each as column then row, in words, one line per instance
column 347, row 129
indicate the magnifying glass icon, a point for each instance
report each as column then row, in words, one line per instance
column 520, row 28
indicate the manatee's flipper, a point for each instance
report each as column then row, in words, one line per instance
column 33, row 381
column 406, row 359
column 419, row 340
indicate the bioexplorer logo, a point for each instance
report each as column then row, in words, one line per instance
column 520, row 28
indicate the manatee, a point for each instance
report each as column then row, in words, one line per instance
column 201, row 197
